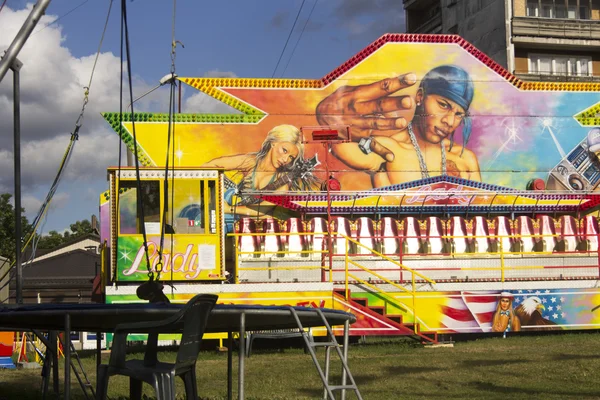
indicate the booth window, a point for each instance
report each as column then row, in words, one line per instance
column 130, row 208
column 189, row 201
column 212, row 206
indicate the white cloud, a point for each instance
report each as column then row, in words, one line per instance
column 52, row 92
column 52, row 84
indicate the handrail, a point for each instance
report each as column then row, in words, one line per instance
column 388, row 259
column 386, row 280
column 377, row 289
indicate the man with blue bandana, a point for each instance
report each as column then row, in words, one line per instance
column 393, row 150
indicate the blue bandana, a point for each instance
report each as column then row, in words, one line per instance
column 455, row 84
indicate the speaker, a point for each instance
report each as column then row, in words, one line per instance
column 580, row 169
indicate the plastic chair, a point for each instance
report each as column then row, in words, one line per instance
column 160, row 375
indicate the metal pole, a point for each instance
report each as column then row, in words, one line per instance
column 11, row 54
column 16, row 66
column 67, row 353
column 229, row 365
column 329, row 241
column 241, row 350
column 53, row 337
column 345, row 354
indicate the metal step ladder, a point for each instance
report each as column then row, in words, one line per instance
column 50, row 364
column 81, row 375
column 328, row 389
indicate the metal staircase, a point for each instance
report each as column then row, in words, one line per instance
column 360, row 277
column 328, row 388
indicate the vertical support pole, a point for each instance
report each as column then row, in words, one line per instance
column 327, row 366
column 329, row 242
column 401, row 254
column 501, row 248
column 53, row 339
column 414, row 304
column 67, row 352
column 345, row 354
column 347, row 294
column 229, row 365
column 17, row 162
column 236, row 240
column 179, row 106
column 98, row 350
column 242, row 351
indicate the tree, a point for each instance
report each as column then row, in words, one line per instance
column 7, row 227
column 51, row 240
column 81, row 228
column 54, row 239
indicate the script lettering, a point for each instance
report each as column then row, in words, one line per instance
column 185, row 263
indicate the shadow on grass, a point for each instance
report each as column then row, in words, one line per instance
column 406, row 370
column 565, row 357
column 361, row 381
column 491, row 363
column 494, row 388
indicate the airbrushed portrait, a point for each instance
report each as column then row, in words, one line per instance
column 395, row 148
column 278, row 165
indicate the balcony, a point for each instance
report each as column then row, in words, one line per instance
column 555, row 28
column 526, row 76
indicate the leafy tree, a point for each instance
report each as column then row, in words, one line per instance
column 51, row 240
column 54, row 239
column 80, row 228
column 7, row 227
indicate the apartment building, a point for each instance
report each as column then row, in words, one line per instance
column 541, row 40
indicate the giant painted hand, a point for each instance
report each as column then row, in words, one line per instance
column 370, row 110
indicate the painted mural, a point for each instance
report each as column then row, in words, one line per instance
column 452, row 312
column 404, row 112
column 495, row 311
column 413, row 113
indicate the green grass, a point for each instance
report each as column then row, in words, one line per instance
column 534, row 367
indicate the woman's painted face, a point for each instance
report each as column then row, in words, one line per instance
column 442, row 117
column 504, row 303
column 283, row 153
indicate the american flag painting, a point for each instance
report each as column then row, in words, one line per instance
column 536, row 309
column 469, row 312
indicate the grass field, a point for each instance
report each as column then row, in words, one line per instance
column 562, row 366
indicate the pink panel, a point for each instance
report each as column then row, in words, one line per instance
column 546, row 230
column 504, row 234
column 569, row 232
column 412, row 233
column 318, row 228
column 295, row 243
column 272, row 241
column 247, row 243
column 388, row 233
column 524, row 228
column 458, row 231
column 590, row 231
column 481, row 234
column 365, row 235
column 434, row 233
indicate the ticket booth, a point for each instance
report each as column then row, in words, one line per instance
column 181, row 215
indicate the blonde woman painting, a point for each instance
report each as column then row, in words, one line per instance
column 268, row 169
column 505, row 319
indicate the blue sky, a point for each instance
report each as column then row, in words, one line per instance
column 221, row 38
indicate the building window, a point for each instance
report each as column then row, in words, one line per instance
column 548, row 64
column 564, row 9
column 533, row 8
